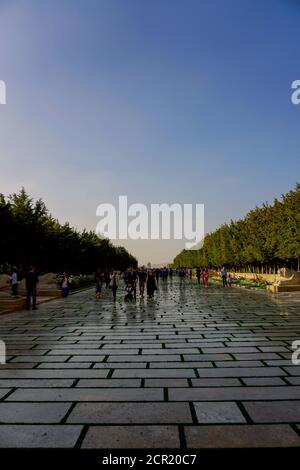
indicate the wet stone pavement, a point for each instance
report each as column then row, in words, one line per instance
column 190, row 369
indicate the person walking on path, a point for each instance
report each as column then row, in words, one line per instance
column 151, row 284
column 181, row 275
column 224, row 276
column 171, row 275
column 31, row 280
column 65, row 285
column 229, row 280
column 198, row 275
column 98, row 284
column 114, row 284
column 130, row 279
column 205, row 277
column 14, row 282
column 165, row 273
column 142, row 274
column 107, row 278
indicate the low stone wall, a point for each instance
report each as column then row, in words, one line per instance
column 46, row 288
column 9, row 303
column 284, row 288
column 270, row 278
column 4, row 282
column 42, row 291
column 277, row 282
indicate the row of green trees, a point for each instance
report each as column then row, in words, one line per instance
column 266, row 239
column 30, row 235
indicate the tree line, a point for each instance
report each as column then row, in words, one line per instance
column 267, row 238
column 30, row 235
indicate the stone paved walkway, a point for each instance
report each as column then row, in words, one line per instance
column 189, row 369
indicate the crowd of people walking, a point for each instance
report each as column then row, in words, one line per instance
column 141, row 280
column 133, row 280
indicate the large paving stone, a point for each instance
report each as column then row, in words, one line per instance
column 234, row 393
column 166, row 383
column 274, row 412
column 49, row 436
column 179, row 365
column 78, row 350
column 255, row 356
column 232, row 436
column 40, row 358
column 124, row 413
column 293, row 370
column 87, row 394
column 65, row 365
column 242, row 372
column 108, row 383
column 18, row 365
column 207, row 357
column 235, row 364
column 4, row 391
column 229, row 350
column 293, row 380
column 218, row 412
column 36, row 383
column 32, row 412
column 121, row 365
column 154, row 373
column 170, row 351
column 82, row 358
column 254, row 381
column 226, row 382
column 40, row 373
column 110, row 437
column 145, row 358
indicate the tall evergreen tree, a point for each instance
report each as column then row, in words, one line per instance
column 267, row 238
column 30, row 235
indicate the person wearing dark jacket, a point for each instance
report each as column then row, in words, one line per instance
column 151, row 284
column 31, row 280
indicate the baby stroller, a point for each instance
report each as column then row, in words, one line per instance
column 129, row 296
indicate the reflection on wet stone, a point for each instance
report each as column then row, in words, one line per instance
column 216, row 363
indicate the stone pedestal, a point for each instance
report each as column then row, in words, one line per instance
column 46, row 287
column 4, row 282
column 287, row 281
column 8, row 303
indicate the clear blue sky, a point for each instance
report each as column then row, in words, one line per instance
column 161, row 100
